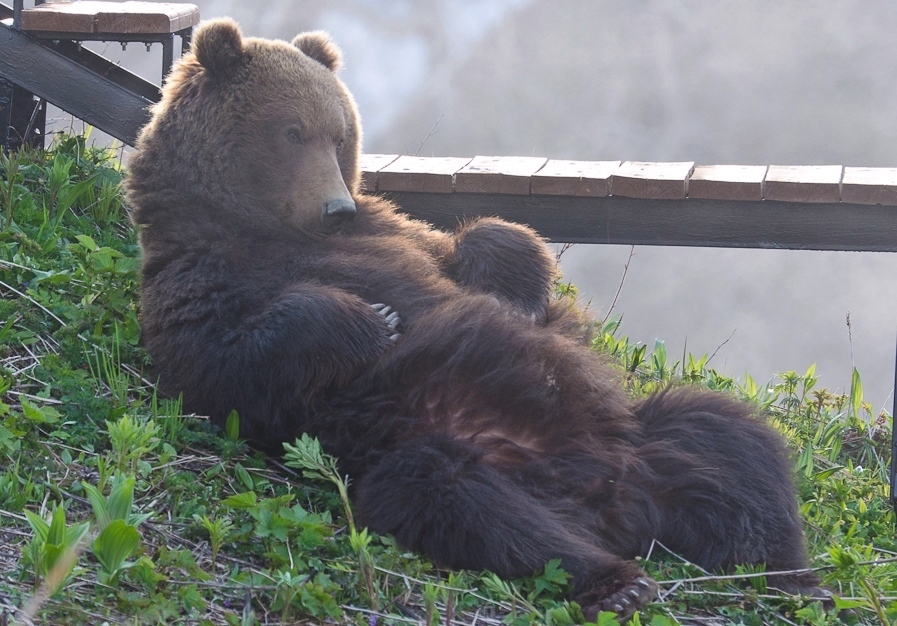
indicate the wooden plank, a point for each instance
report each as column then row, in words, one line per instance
column 803, row 183
column 870, row 185
column 62, row 18
column 574, row 178
column 427, row 174
column 657, row 181
column 145, row 17
column 688, row 222
column 727, row 182
column 92, row 17
column 510, row 175
column 369, row 165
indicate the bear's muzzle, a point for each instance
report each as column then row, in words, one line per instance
column 337, row 213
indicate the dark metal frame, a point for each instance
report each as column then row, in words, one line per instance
column 55, row 68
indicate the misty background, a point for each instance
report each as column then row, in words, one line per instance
column 785, row 82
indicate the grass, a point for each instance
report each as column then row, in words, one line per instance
column 116, row 508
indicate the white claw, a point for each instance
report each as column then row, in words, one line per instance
column 395, row 337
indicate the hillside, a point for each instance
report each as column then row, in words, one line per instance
column 116, row 508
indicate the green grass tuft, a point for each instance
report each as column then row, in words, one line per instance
column 114, row 507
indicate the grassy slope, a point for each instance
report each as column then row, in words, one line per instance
column 152, row 517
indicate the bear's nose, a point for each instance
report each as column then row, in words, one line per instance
column 338, row 213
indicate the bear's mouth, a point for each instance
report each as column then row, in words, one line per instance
column 314, row 236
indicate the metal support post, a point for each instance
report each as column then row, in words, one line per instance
column 894, row 442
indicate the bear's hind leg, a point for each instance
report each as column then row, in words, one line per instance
column 724, row 482
column 436, row 496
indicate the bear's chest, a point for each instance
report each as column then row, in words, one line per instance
column 376, row 269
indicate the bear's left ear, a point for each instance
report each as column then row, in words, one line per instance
column 318, row 46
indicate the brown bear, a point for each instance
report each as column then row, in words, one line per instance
column 477, row 428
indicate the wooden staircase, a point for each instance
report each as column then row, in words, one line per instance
column 42, row 60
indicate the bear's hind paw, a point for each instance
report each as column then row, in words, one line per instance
column 625, row 601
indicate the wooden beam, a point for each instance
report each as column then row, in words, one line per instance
column 727, row 206
column 687, row 222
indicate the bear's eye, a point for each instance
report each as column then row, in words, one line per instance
column 340, row 145
column 294, row 135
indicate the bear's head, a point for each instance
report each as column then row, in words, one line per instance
column 251, row 131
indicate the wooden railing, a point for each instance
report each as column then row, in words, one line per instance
column 793, row 207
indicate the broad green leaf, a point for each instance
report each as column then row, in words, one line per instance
column 56, row 532
column 824, row 474
column 232, row 426
column 40, row 527
column 244, row 500
column 39, row 414
column 121, row 499
column 98, row 503
column 87, row 242
column 115, row 543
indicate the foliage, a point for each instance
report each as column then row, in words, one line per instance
column 115, row 507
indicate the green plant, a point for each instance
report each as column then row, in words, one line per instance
column 53, row 551
column 219, row 530
column 131, row 439
column 117, row 537
column 306, row 454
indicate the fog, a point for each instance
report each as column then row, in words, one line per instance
column 766, row 82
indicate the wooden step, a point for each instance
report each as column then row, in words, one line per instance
column 124, row 18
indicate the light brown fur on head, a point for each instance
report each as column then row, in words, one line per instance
column 257, row 129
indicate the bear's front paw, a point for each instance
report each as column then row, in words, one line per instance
column 625, row 601
column 390, row 318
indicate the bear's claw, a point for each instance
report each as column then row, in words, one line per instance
column 389, row 316
column 626, row 600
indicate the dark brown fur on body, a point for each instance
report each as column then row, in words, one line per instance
column 486, row 436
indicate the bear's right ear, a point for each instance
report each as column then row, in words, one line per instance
column 218, row 45
column 318, row 46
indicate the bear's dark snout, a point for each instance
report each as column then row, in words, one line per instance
column 338, row 213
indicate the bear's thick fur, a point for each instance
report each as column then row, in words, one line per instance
column 477, row 428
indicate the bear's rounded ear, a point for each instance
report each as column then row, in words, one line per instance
column 318, row 46
column 218, row 45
